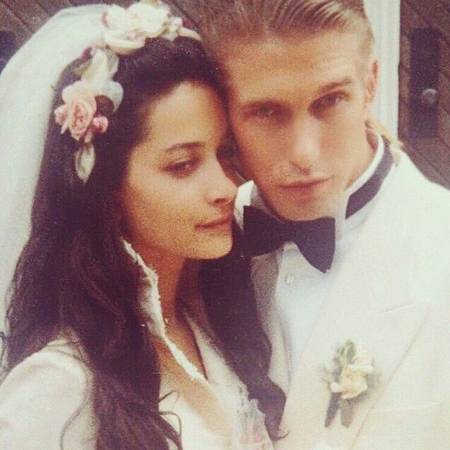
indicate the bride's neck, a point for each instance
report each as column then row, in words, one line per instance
column 178, row 282
column 177, row 279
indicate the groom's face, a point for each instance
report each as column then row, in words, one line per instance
column 298, row 108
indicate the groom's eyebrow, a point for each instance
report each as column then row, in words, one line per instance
column 252, row 104
column 270, row 102
column 347, row 81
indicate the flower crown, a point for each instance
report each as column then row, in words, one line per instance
column 89, row 101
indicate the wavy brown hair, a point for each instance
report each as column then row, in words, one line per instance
column 74, row 273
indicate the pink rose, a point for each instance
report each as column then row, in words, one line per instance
column 99, row 125
column 78, row 110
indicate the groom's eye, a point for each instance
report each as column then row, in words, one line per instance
column 265, row 112
column 330, row 103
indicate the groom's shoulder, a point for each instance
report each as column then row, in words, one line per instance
column 428, row 194
column 426, row 205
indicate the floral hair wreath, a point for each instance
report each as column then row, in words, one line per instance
column 89, row 101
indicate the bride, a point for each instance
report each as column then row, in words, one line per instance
column 130, row 324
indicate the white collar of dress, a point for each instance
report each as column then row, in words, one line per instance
column 151, row 303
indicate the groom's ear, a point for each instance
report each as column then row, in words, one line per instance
column 371, row 86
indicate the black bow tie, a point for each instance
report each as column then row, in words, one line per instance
column 316, row 239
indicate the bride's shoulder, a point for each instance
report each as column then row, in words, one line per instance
column 59, row 366
column 44, row 394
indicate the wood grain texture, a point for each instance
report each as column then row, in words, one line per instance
column 432, row 155
column 26, row 16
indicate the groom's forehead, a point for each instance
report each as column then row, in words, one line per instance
column 246, row 57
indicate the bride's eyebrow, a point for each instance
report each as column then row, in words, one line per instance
column 190, row 146
column 195, row 145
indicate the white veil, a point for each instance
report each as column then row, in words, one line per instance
column 26, row 95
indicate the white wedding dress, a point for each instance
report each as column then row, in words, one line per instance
column 45, row 401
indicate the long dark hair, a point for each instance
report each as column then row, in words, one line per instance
column 74, row 274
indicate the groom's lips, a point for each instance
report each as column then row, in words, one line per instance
column 309, row 186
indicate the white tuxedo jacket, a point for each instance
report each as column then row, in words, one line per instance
column 392, row 295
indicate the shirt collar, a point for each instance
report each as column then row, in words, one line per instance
column 340, row 216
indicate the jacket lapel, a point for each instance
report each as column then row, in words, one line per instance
column 265, row 271
column 370, row 304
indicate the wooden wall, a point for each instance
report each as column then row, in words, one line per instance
column 26, row 16
column 431, row 154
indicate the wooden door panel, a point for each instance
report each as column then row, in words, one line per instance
column 26, row 16
column 10, row 22
column 30, row 13
column 431, row 154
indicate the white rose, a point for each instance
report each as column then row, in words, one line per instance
column 173, row 28
column 117, row 18
column 149, row 19
column 363, row 361
column 350, row 384
column 138, row 18
column 129, row 28
column 122, row 43
column 99, row 76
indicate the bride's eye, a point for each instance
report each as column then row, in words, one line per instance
column 182, row 168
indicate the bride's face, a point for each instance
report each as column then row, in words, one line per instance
column 178, row 193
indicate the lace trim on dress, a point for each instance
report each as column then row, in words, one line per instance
column 150, row 298
column 248, row 431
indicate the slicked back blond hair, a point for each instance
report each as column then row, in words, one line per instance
column 223, row 20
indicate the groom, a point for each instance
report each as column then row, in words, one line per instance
column 351, row 243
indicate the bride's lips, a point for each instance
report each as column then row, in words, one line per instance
column 219, row 223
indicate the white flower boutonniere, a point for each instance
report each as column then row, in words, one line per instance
column 351, row 379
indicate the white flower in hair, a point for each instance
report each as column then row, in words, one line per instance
column 78, row 110
column 148, row 19
column 89, row 101
column 99, row 75
column 175, row 28
column 80, row 113
column 129, row 28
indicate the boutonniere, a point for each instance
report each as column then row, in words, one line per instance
column 352, row 378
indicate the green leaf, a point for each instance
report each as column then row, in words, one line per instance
column 346, row 412
column 351, row 351
column 332, row 410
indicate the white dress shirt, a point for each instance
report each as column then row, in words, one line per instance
column 301, row 289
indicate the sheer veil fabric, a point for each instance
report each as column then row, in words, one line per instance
column 26, row 96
